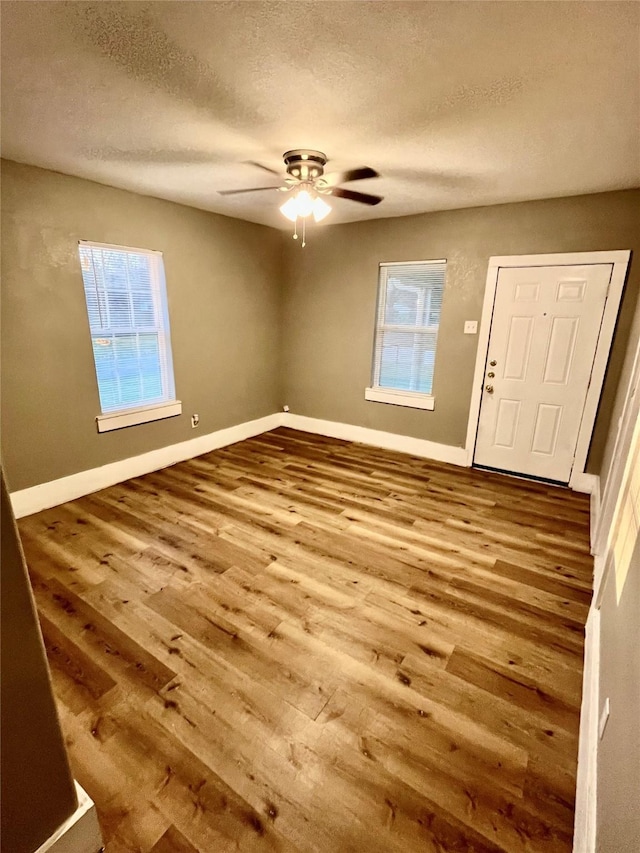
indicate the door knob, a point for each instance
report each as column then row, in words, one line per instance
column 493, row 363
column 488, row 389
column 491, row 374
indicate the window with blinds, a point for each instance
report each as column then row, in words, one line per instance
column 128, row 318
column 409, row 305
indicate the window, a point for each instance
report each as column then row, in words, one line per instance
column 127, row 307
column 409, row 304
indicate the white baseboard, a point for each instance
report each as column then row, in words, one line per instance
column 55, row 492
column 78, row 834
column 585, row 483
column 584, row 835
column 378, row 438
column 594, row 515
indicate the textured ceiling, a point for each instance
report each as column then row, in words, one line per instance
column 456, row 104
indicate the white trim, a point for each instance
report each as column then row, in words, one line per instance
column 600, row 362
column 481, row 358
column 139, row 415
column 106, row 329
column 584, row 836
column 411, row 263
column 411, row 399
column 80, row 833
column 620, row 261
column 571, row 259
column 416, row 329
column 122, row 248
column 55, row 492
column 601, row 567
column 378, row 438
column 628, row 419
column 594, row 510
column 585, row 483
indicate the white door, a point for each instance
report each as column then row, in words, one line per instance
column 544, row 332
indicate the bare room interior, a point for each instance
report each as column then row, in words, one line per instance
column 320, row 426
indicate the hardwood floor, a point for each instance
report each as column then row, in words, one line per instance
column 302, row 644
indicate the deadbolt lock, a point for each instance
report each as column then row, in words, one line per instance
column 493, row 363
column 491, row 374
column 488, row 389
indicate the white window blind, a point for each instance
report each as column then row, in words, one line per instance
column 127, row 307
column 409, row 305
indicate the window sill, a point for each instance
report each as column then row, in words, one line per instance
column 142, row 415
column 400, row 398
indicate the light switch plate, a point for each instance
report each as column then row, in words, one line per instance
column 471, row 327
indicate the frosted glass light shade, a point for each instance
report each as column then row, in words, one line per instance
column 320, row 209
column 304, row 202
column 290, row 209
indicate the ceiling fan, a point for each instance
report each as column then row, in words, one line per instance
column 306, row 182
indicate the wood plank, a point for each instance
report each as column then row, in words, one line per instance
column 302, row 644
column 173, row 841
column 308, row 691
column 95, row 633
column 89, row 680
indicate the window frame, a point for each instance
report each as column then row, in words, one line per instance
column 110, row 419
column 382, row 394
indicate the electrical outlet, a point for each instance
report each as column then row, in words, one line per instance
column 195, row 420
column 471, row 327
column 285, row 408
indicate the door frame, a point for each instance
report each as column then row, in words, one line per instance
column 607, row 509
column 579, row 480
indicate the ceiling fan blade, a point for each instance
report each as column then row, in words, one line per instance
column 250, row 190
column 335, row 178
column 260, row 166
column 363, row 198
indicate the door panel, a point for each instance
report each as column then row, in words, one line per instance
column 516, row 357
column 544, row 333
column 562, row 342
column 507, row 422
column 545, row 431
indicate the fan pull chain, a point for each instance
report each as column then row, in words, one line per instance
column 295, row 230
column 304, row 233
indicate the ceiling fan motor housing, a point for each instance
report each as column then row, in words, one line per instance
column 305, row 164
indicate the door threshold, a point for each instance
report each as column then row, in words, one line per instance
column 529, row 477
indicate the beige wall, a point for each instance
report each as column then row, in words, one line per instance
column 37, row 789
column 331, row 289
column 223, row 283
column 252, row 330
column 619, row 751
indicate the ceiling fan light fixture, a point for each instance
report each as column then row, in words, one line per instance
column 305, row 180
